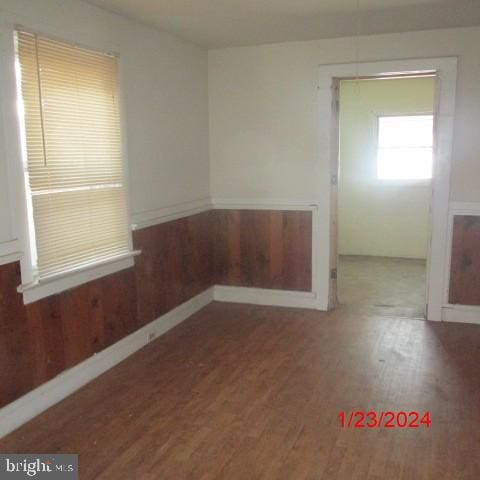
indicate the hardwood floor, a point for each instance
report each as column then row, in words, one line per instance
column 248, row 392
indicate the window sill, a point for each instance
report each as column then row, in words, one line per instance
column 403, row 182
column 51, row 286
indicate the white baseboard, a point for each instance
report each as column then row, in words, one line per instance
column 262, row 296
column 35, row 402
column 461, row 314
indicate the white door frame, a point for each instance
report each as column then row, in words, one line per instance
column 446, row 70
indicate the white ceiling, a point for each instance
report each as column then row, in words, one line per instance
column 225, row 23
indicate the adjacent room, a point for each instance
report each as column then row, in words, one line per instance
column 239, row 239
column 385, row 174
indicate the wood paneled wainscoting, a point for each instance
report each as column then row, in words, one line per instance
column 40, row 340
column 264, row 249
column 175, row 265
column 465, row 261
column 180, row 259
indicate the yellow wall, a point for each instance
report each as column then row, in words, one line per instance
column 378, row 217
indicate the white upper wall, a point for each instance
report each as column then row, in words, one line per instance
column 164, row 88
column 264, row 113
column 380, row 217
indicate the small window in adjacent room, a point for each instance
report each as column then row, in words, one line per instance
column 405, row 147
column 74, row 172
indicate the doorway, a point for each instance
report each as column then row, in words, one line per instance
column 325, row 256
column 386, row 129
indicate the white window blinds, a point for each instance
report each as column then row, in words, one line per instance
column 74, row 165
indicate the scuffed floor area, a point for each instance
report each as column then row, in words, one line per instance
column 392, row 285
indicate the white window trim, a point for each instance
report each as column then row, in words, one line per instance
column 59, row 283
column 408, row 182
column 402, row 182
column 32, row 288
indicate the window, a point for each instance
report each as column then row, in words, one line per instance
column 73, row 162
column 405, row 147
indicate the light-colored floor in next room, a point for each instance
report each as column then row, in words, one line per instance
column 393, row 285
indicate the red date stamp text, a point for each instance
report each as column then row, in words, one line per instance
column 387, row 419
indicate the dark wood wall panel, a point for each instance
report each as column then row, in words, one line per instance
column 264, row 249
column 16, row 348
column 180, row 259
column 175, row 265
column 40, row 340
column 465, row 264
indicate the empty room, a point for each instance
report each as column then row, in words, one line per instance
column 240, row 239
column 385, row 175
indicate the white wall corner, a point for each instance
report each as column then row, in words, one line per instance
column 10, row 252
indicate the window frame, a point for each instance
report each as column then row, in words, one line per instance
column 32, row 288
column 401, row 181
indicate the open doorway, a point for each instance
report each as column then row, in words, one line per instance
column 386, row 154
column 325, row 267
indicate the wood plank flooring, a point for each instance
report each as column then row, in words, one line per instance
column 248, row 392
